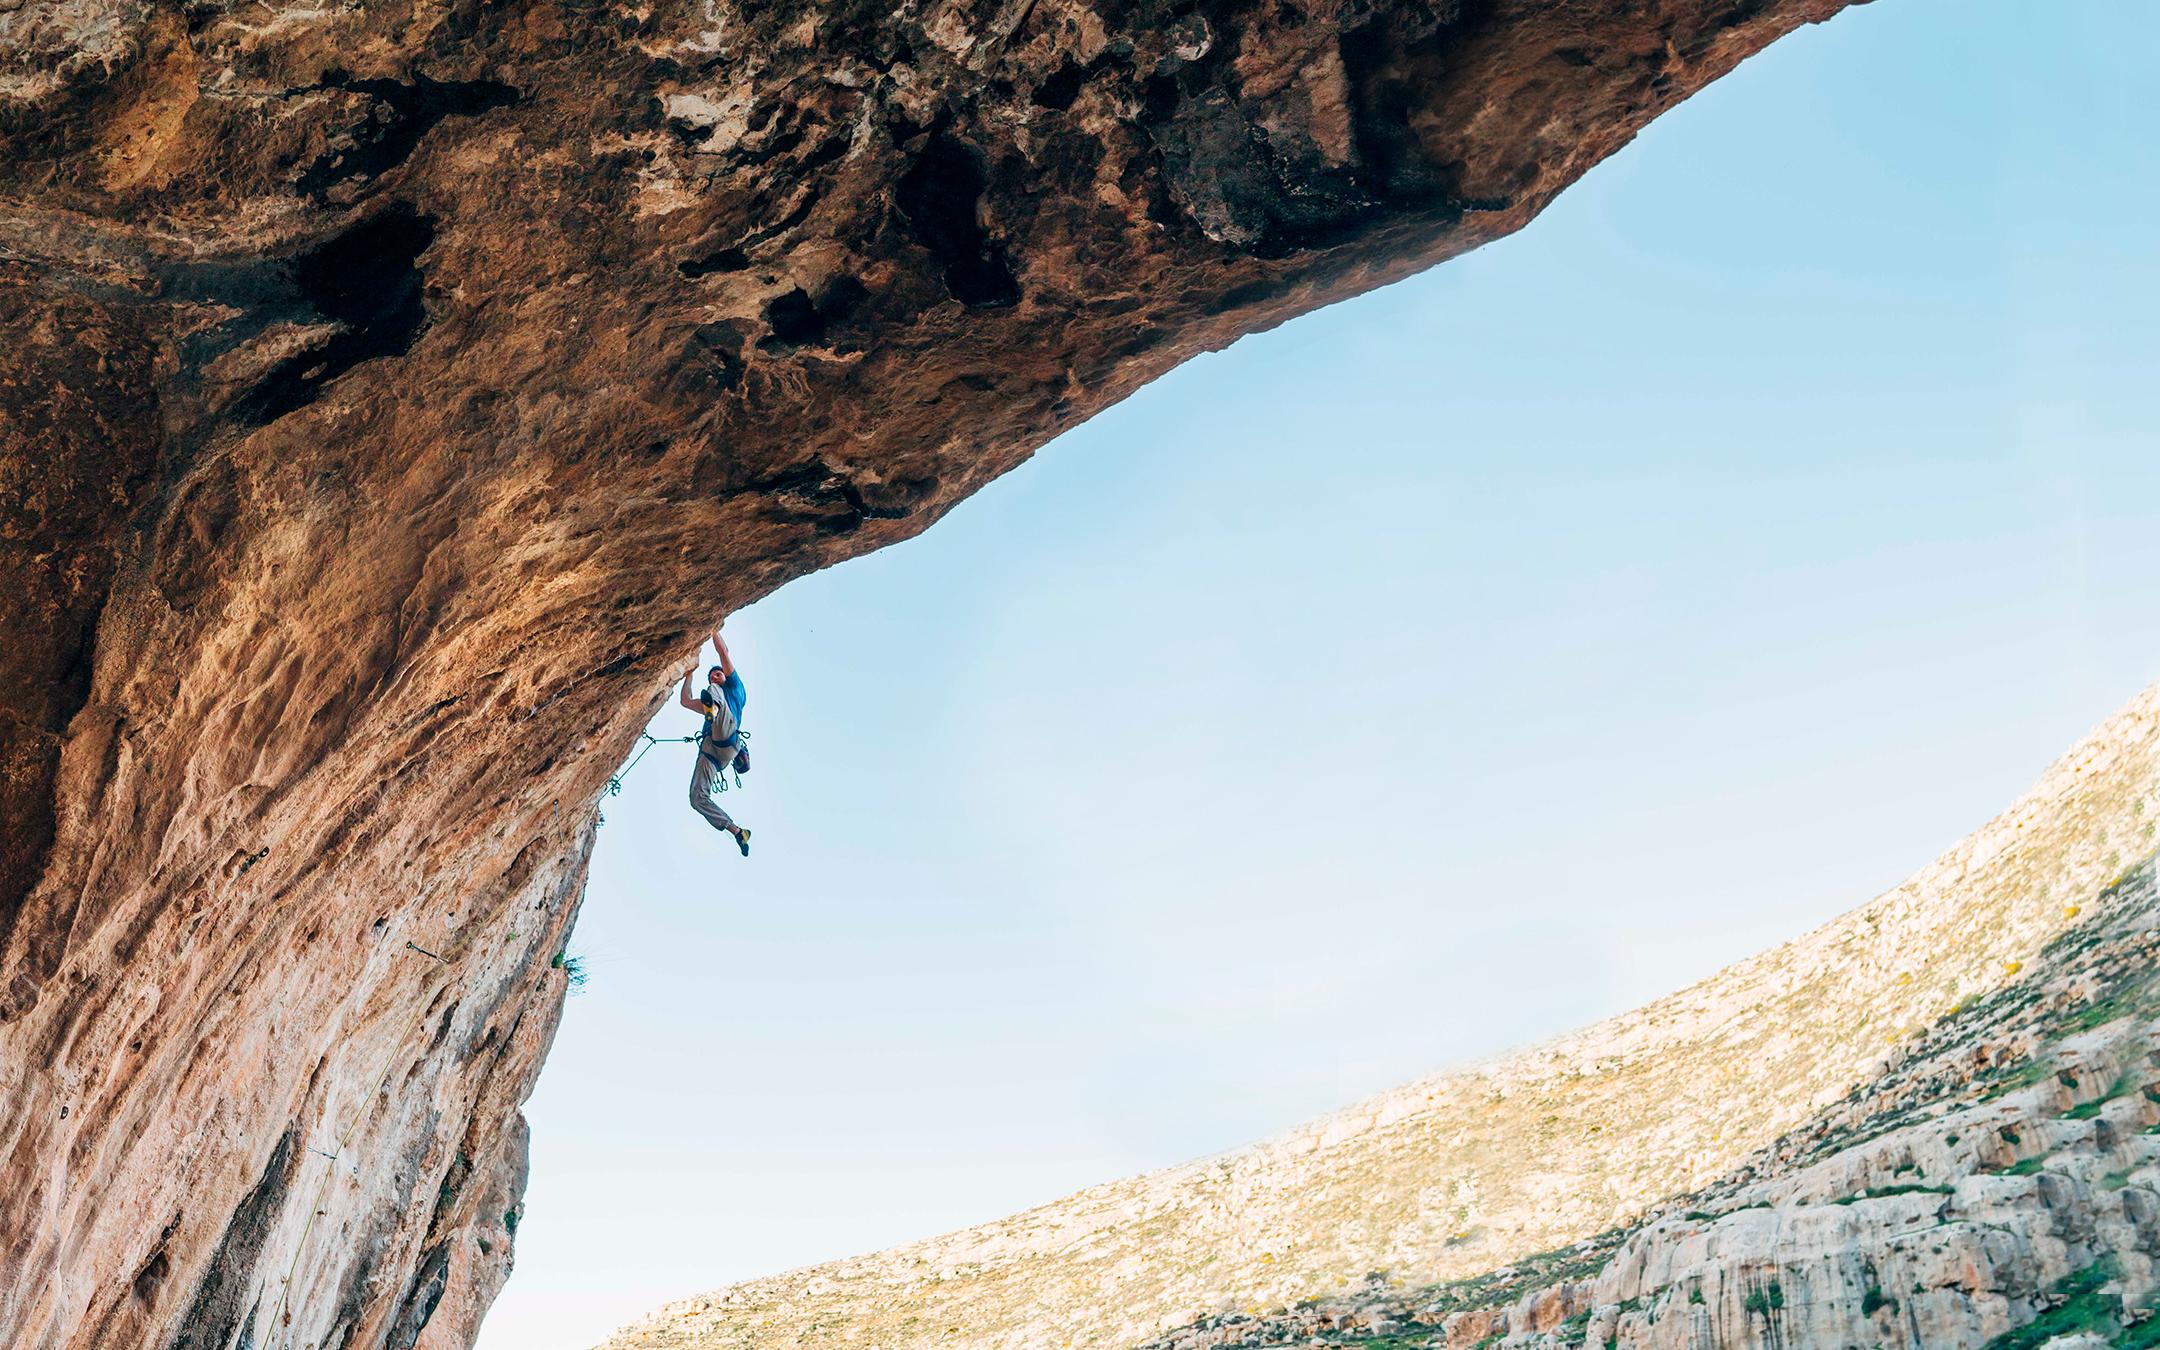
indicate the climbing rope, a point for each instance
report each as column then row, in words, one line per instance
column 445, row 957
column 614, row 784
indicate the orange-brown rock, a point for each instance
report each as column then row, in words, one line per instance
column 391, row 394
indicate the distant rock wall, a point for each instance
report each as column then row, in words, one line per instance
column 1940, row 1097
column 390, row 394
column 2002, row 1188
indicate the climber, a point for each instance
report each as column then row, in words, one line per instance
column 720, row 744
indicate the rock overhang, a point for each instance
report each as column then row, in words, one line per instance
column 376, row 384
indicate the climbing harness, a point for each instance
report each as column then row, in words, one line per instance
column 737, row 762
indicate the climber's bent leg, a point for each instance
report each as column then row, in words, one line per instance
column 702, row 779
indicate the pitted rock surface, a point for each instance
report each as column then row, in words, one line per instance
column 389, row 396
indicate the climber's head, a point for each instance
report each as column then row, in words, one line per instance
column 715, row 674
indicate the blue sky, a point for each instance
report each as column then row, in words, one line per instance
column 1438, row 672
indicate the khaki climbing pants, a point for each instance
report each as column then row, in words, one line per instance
column 703, row 780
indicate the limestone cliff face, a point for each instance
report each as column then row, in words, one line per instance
column 1931, row 1124
column 391, row 393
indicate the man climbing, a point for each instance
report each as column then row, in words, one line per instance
column 720, row 743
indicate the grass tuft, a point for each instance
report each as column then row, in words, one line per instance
column 573, row 969
column 2083, row 1308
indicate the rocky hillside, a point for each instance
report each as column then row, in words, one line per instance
column 1929, row 1123
column 391, row 394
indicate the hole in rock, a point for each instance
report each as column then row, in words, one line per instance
column 404, row 112
column 939, row 197
column 368, row 281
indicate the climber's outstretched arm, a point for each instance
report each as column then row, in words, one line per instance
column 727, row 663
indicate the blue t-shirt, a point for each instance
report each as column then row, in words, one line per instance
column 731, row 689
